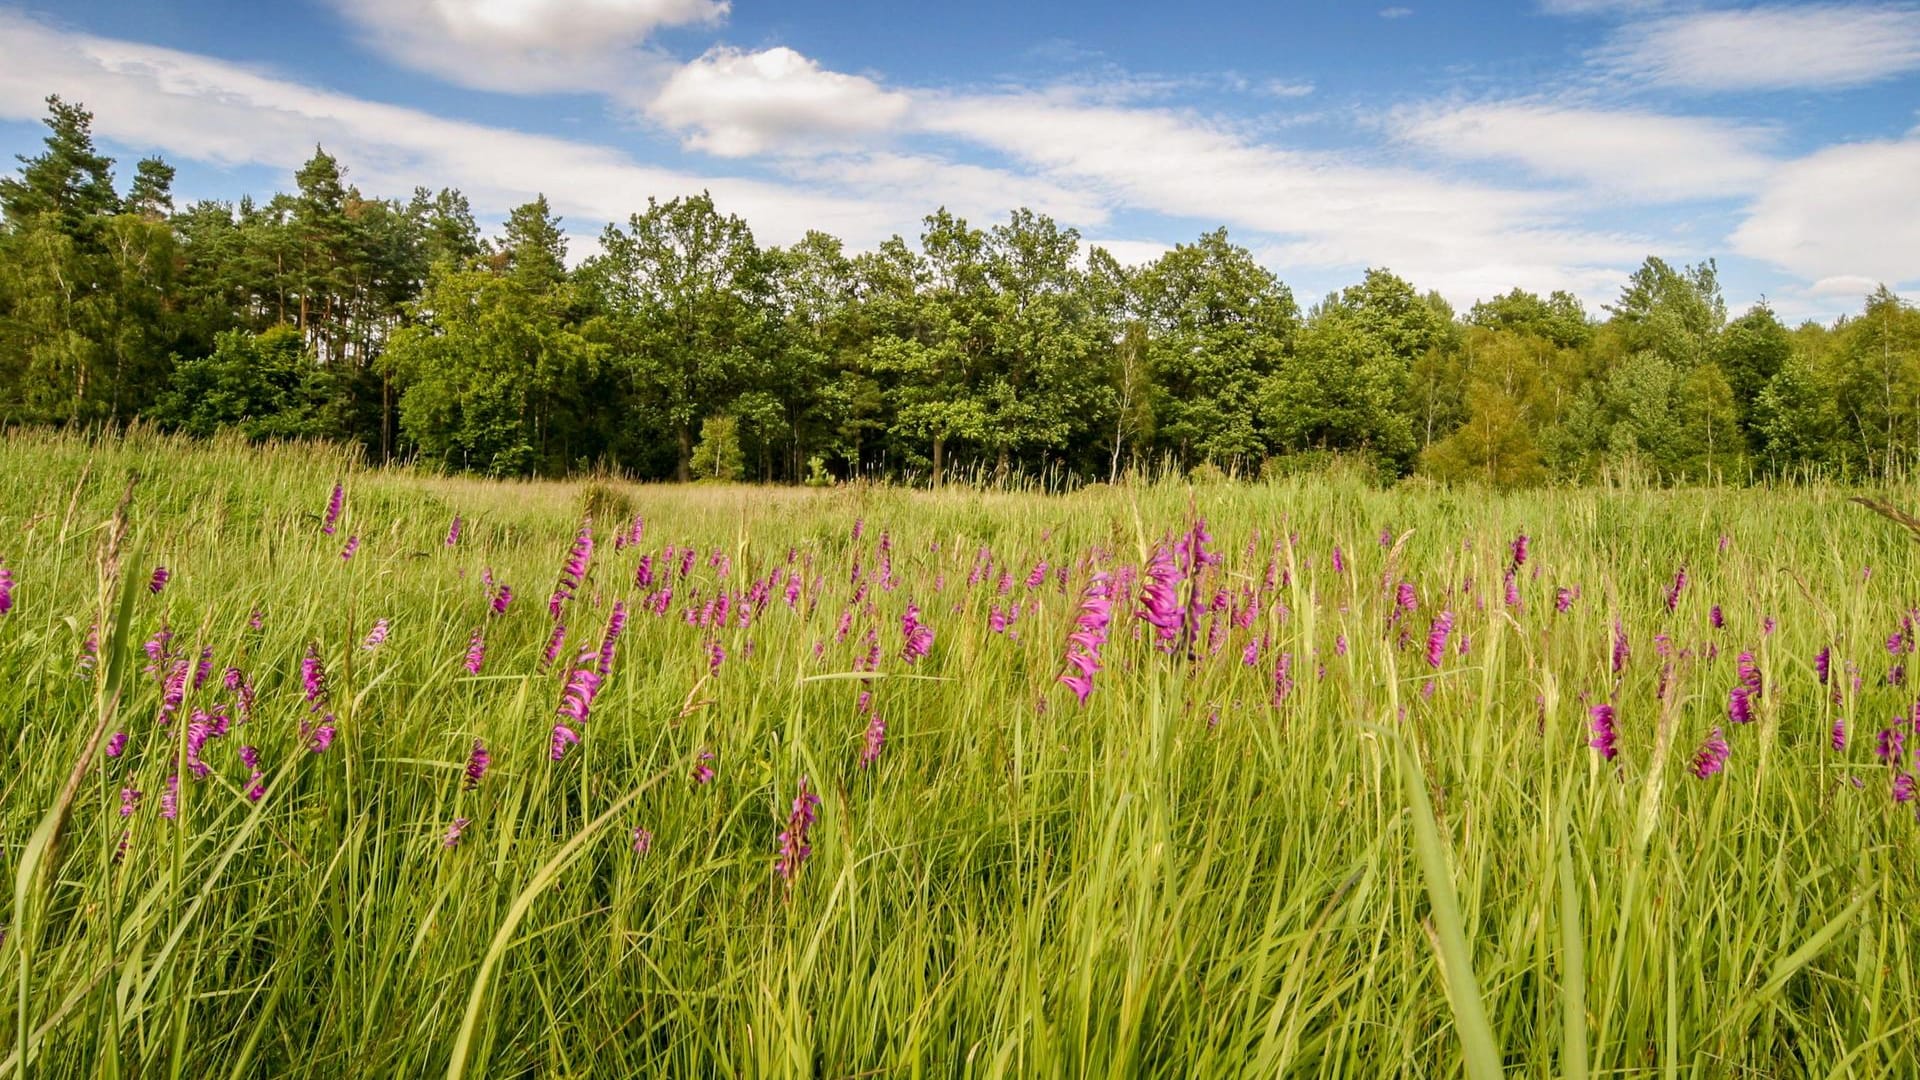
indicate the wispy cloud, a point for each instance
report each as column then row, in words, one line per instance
column 527, row 46
column 1395, row 12
column 1819, row 47
column 1625, row 153
column 734, row 104
column 1842, row 214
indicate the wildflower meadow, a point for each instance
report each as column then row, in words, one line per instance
column 315, row 769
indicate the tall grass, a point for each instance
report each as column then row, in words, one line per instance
column 1397, row 869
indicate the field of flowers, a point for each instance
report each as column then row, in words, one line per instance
column 316, row 770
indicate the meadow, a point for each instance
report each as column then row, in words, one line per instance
column 1417, row 781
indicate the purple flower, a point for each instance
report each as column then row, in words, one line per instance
column 202, row 727
column 875, row 739
column 1716, row 618
column 1621, row 651
column 918, row 636
column 576, row 703
column 642, row 840
column 170, row 798
column 313, row 677
column 1339, row 563
column 1089, row 635
column 333, row 508
column 159, row 580
column 1160, row 601
column 1405, row 602
column 6, row 590
column 574, row 572
column 1823, row 664
column 793, row 842
column 353, row 546
column 129, row 801
column 1518, row 550
column 1891, row 742
column 476, row 652
column 1282, row 678
column 251, row 758
column 1839, row 738
column 1605, row 736
column 477, row 762
column 1563, row 599
column 1437, row 638
column 1740, row 705
column 322, row 735
column 453, row 531
column 376, row 637
column 616, row 624
column 117, row 745
column 1903, row 787
column 1749, row 672
column 1711, row 757
column 452, row 838
column 563, row 737
column 702, row 771
column 555, row 641
column 1674, row 590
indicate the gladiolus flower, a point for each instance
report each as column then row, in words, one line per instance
column 159, row 580
column 918, row 636
column 1674, row 590
column 642, row 840
column 1711, row 757
column 1089, row 635
column 1437, row 638
column 452, row 838
column 1740, row 705
column 353, row 546
column 702, row 771
column 793, row 842
column 117, row 745
column 453, row 531
column 376, row 637
column 477, row 762
column 6, row 590
column 1605, row 736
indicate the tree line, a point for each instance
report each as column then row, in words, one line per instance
column 684, row 348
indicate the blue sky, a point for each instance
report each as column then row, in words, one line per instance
column 1470, row 147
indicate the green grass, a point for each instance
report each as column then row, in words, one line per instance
column 1397, row 870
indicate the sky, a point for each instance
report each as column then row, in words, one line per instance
column 1471, row 148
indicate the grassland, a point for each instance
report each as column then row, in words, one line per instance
column 1352, row 861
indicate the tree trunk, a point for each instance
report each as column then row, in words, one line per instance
column 939, row 457
column 685, row 438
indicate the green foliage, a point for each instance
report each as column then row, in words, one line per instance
column 265, row 386
column 717, row 456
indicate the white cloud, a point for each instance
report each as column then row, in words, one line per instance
column 1598, row 7
column 1630, row 153
column 1822, row 47
column 981, row 195
column 1321, row 210
column 1395, row 12
column 1840, row 215
column 1284, row 88
column 736, row 104
column 526, row 45
column 1132, row 252
column 210, row 110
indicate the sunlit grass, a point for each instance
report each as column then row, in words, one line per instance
column 1182, row 878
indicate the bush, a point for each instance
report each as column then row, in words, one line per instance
column 718, row 456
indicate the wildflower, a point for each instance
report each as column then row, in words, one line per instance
column 452, row 839
column 6, row 590
column 1339, row 564
column 250, row 756
column 793, row 842
column 1437, row 638
column 1740, row 705
column 1159, row 602
column 555, row 640
column 159, row 649
column 1282, row 678
column 574, row 572
column 174, row 691
column 333, row 508
column 117, row 745
column 476, row 651
column 1674, row 590
column 703, row 772
column 576, row 702
column 159, row 580
column 477, row 762
column 918, row 635
column 1605, row 736
column 501, row 599
column 204, row 668
column 1563, row 600
column 1512, row 595
column 322, row 735
column 1089, row 634
column 1405, row 602
column 717, row 655
column 875, row 739
column 1891, row 742
column 643, row 574
column 313, row 678
column 202, row 727
column 453, row 531
column 1711, row 757
column 1749, row 672
column 1903, row 787
column 1621, row 651
column 353, row 546
column 1518, row 551
column 563, row 737
column 616, row 624
column 642, row 840
column 1839, row 737
column 170, row 798
column 129, row 801
column 1823, row 664
column 1715, row 618
column 376, row 637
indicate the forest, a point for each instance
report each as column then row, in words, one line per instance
column 684, row 349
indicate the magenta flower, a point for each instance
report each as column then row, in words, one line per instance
column 1563, row 599
column 1518, row 551
column 616, row 624
column 170, row 798
column 1621, row 651
column 702, row 771
column 353, row 546
column 1890, row 744
column 173, row 692
column 1437, row 638
column 501, row 599
column 376, row 637
column 794, row 848
column 642, row 840
column 477, row 762
column 313, row 677
column 1903, row 787
column 1674, row 590
column 563, row 737
column 159, row 580
column 1823, row 664
column 1749, row 672
column 452, row 838
column 1711, row 757
column 1339, row 563
column 1282, row 678
column 1605, row 735
column 576, row 703
column 918, row 636
column 117, row 745
column 574, row 573
column 1740, row 705
column 129, row 801
column 476, row 652
column 555, row 641
column 453, row 531
column 6, row 590
column 322, row 735
column 333, row 508
column 1089, row 635
column 1160, row 601
column 1716, row 618
column 1405, row 602
column 875, row 739
column 251, row 758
